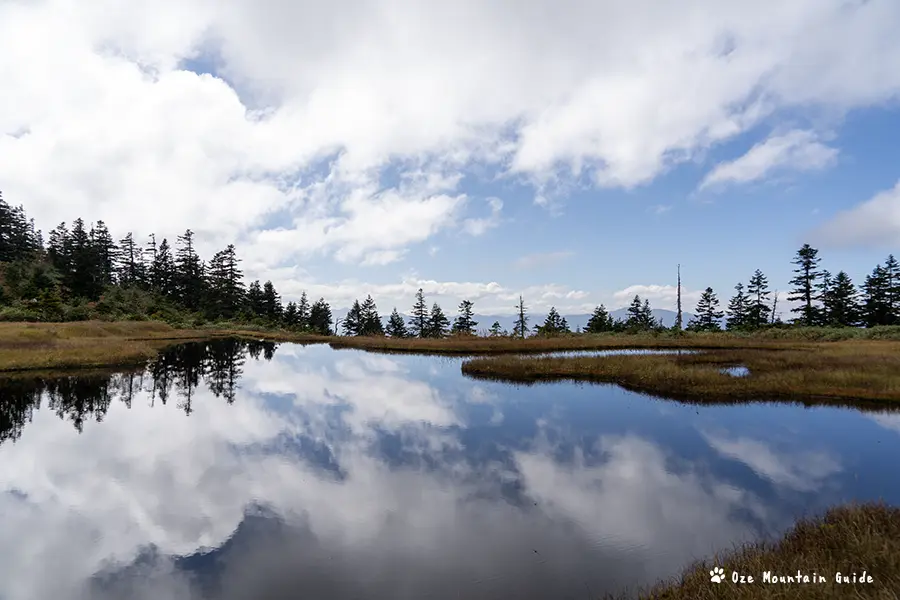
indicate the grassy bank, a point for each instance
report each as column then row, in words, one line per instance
column 92, row 344
column 847, row 540
column 850, row 371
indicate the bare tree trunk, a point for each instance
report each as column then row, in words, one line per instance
column 774, row 306
column 678, row 319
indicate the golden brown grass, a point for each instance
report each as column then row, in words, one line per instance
column 848, row 371
column 847, row 539
column 473, row 345
column 92, row 344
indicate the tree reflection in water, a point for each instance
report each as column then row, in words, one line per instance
column 86, row 395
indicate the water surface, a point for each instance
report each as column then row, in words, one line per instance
column 229, row 470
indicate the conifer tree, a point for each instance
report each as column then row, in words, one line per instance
column 105, row 254
column 290, row 315
column 255, row 303
column 162, row 271
column 418, row 326
column 600, row 321
column 892, row 291
column 396, row 327
column 465, row 324
column 876, row 303
column 131, row 270
column 738, row 309
column 496, row 330
column 224, row 283
column 303, row 313
column 840, row 303
column 806, row 277
column 438, row 323
column 271, row 303
column 188, row 273
column 370, row 323
column 640, row 315
column 554, row 324
column 757, row 301
column 520, row 327
column 352, row 321
column 320, row 318
column 707, row 314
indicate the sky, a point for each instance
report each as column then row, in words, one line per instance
column 572, row 152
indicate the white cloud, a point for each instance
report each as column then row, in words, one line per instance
column 875, row 222
column 531, row 261
column 478, row 226
column 803, row 471
column 660, row 209
column 795, row 150
column 660, row 296
column 318, row 99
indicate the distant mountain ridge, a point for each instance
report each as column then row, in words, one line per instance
column 575, row 321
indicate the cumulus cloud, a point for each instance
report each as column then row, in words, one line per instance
column 795, row 150
column 660, row 296
column 873, row 223
column 286, row 145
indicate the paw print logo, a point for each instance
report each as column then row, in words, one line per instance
column 717, row 575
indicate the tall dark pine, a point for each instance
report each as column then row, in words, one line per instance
column 465, row 323
column 678, row 315
column 290, row 315
column 162, row 270
column 876, row 307
column 82, row 280
column 438, row 323
column 255, row 299
column 738, row 309
column 396, row 327
column 840, row 302
column 224, row 282
column 892, row 280
column 600, row 321
column 707, row 314
column 370, row 323
column 131, row 269
column 320, row 318
column 106, row 254
column 554, row 324
column 303, row 312
column 758, row 308
column 520, row 326
column 352, row 322
column 189, row 272
column 271, row 303
column 418, row 325
column 806, row 276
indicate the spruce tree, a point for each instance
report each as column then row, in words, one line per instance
column 600, row 321
column 352, row 321
column 876, row 302
column 320, row 318
column 290, row 315
column 438, row 323
column 370, row 323
column 496, row 330
column 554, row 324
column 303, row 313
column 224, row 283
column 106, row 254
column 520, row 327
column 738, row 309
column 707, row 314
column 255, row 303
column 465, row 324
column 396, row 327
column 131, row 270
column 892, row 292
column 758, row 301
column 271, row 303
column 640, row 315
column 418, row 326
column 188, row 273
column 806, row 277
column 841, row 302
column 162, row 271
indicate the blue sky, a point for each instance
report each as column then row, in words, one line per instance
column 573, row 153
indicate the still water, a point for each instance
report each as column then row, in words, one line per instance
column 233, row 471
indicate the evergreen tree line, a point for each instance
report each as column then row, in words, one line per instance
column 81, row 268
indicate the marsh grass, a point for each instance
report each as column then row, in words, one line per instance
column 855, row 372
column 847, row 539
column 96, row 344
